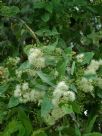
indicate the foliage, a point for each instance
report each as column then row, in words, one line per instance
column 50, row 68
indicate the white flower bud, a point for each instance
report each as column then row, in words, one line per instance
column 80, row 57
column 36, row 58
column 62, row 86
column 86, row 85
column 17, row 91
column 25, row 86
column 70, row 95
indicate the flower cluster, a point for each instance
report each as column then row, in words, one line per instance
column 54, row 116
column 80, row 57
column 86, row 85
column 36, row 58
column 25, row 94
column 93, row 67
column 13, row 61
column 29, row 72
column 4, row 73
column 62, row 93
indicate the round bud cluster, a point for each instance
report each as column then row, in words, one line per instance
column 62, row 92
column 25, row 94
column 4, row 73
column 93, row 67
column 86, row 85
column 13, row 61
column 56, row 114
column 36, row 58
column 80, row 57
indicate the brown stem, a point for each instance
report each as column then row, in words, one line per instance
column 31, row 31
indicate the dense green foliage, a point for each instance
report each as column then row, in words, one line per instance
column 50, row 68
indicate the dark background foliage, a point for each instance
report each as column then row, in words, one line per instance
column 69, row 21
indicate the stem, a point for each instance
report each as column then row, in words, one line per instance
column 31, row 31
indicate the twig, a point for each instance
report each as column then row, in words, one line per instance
column 31, row 31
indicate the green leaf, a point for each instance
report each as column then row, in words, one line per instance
column 47, row 32
column 99, row 93
column 39, row 5
column 90, row 124
column 12, row 127
column 76, row 107
column 27, row 48
column 87, row 57
column 3, row 88
column 13, row 102
column 9, row 11
column 80, row 2
column 46, row 106
column 49, row 7
column 67, row 108
column 24, row 66
column 93, row 134
column 68, row 52
column 46, row 17
column 25, row 121
column 61, row 68
column 45, row 78
column 39, row 133
column 73, row 88
column 77, row 131
column 64, row 63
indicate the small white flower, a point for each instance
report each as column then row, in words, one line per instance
column 59, row 90
column 93, row 67
column 76, row 8
column 32, row 95
column 85, row 112
column 18, row 73
column 86, row 85
column 36, row 52
column 57, row 93
column 17, row 91
column 36, row 95
column 40, row 63
column 57, row 113
column 26, row 96
column 18, row 87
column 69, row 96
column 32, row 58
column 80, row 57
column 25, row 86
column 91, row 1
column 17, row 59
column 31, row 72
column 62, row 86
column 98, row 26
column 55, row 101
column 61, row 93
column 81, row 33
column 36, row 58
column 90, row 71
